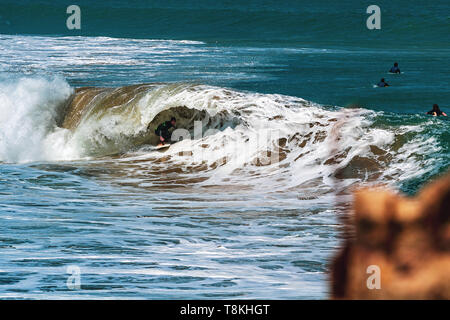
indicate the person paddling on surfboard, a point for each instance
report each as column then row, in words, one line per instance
column 163, row 130
column 382, row 83
column 436, row 112
column 395, row 69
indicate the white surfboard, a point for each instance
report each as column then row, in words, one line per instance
column 162, row 147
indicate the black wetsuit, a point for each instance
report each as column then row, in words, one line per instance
column 163, row 130
column 438, row 113
column 395, row 70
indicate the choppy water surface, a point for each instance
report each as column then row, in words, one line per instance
column 176, row 242
column 81, row 186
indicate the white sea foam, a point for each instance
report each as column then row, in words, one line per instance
column 26, row 53
column 28, row 113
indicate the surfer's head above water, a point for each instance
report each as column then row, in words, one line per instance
column 382, row 83
column 395, row 68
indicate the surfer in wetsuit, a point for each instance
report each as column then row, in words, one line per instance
column 163, row 130
column 395, row 69
column 382, row 83
column 436, row 112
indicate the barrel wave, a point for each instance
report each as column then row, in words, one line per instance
column 222, row 134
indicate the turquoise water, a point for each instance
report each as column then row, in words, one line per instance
column 144, row 224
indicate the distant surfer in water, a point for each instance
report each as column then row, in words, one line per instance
column 395, row 69
column 382, row 83
column 163, row 130
column 436, row 112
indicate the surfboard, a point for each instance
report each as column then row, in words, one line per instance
column 163, row 147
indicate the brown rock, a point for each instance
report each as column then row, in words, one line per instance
column 408, row 239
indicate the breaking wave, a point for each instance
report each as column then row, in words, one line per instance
column 225, row 135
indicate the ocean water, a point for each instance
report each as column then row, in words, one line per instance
column 283, row 117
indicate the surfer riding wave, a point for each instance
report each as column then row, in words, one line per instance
column 162, row 131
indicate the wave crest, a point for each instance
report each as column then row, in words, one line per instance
column 227, row 135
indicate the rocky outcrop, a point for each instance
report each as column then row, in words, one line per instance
column 400, row 248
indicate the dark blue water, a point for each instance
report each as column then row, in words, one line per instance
column 413, row 33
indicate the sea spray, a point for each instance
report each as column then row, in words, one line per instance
column 29, row 107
